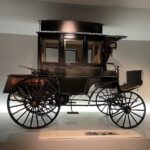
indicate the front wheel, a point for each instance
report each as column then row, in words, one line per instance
column 129, row 110
column 32, row 103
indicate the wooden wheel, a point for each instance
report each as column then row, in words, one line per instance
column 129, row 110
column 104, row 98
column 33, row 103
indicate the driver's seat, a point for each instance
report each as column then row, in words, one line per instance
column 134, row 80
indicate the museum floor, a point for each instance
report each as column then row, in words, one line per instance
column 14, row 137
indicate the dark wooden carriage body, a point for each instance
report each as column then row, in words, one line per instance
column 82, row 73
column 73, row 56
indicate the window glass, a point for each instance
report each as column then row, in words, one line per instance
column 51, row 51
column 89, row 56
column 94, row 52
column 71, row 55
column 73, row 51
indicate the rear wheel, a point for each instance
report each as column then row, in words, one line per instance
column 129, row 110
column 33, row 103
column 104, row 98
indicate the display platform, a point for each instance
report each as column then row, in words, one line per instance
column 74, row 132
column 87, row 134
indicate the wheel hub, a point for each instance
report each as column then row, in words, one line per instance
column 109, row 100
column 127, row 109
column 34, row 104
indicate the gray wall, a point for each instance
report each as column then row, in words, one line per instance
column 134, row 55
column 15, row 50
column 18, row 41
column 20, row 17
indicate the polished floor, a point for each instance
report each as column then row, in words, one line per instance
column 11, row 135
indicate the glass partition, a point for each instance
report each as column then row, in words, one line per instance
column 94, row 52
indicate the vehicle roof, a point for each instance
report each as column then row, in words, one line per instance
column 103, row 36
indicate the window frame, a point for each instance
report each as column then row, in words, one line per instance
column 43, row 49
column 79, row 52
column 100, row 53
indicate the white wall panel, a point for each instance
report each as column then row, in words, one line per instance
column 21, row 17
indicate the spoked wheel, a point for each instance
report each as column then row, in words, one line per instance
column 33, row 103
column 129, row 110
column 104, row 98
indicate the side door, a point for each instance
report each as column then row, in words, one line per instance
column 73, row 80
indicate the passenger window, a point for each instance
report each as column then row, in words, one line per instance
column 71, row 55
column 51, row 51
column 94, row 52
column 73, row 51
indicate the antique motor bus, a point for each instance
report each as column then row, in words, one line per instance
column 73, row 60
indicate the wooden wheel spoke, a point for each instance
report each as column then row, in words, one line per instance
column 133, row 101
column 48, row 110
column 21, row 115
column 136, row 114
column 138, row 110
column 53, row 111
column 46, row 114
column 18, row 111
column 107, row 110
column 129, row 120
column 16, row 105
column 117, row 113
column 52, row 108
column 136, row 105
column 41, row 116
column 115, row 107
column 104, row 107
column 124, row 120
column 15, row 100
column 101, row 97
column 133, row 118
column 26, row 118
column 32, row 119
column 104, row 95
column 120, row 118
column 37, row 121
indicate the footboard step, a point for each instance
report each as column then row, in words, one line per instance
column 72, row 112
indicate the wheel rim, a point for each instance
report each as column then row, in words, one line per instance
column 104, row 98
column 130, row 110
column 33, row 103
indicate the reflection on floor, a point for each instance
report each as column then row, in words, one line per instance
column 82, row 121
column 11, row 132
